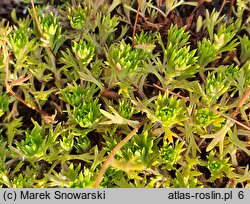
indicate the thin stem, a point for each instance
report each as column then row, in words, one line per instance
column 222, row 5
column 112, row 154
column 36, row 18
column 6, row 66
column 9, row 85
column 136, row 19
column 242, row 101
column 26, row 103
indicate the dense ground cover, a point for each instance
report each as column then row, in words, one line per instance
column 84, row 102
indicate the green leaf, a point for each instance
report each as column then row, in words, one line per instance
column 115, row 118
column 218, row 137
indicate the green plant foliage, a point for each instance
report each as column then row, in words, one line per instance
column 207, row 52
column 216, row 85
column 82, row 144
column 4, row 104
column 245, row 47
column 114, row 176
column 84, row 51
column 78, row 17
column 246, row 68
column 171, row 154
column 52, row 31
column 218, row 166
column 122, row 59
column 169, row 111
column 67, row 143
column 87, row 114
column 182, row 181
column 126, row 109
column 125, row 62
column 180, row 60
column 163, row 104
column 107, row 27
column 3, row 156
column 78, row 179
column 22, row 181
column 142, row 148
column 32, row 145
column 76, row 95
column 205, row 117
column 20, row 38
